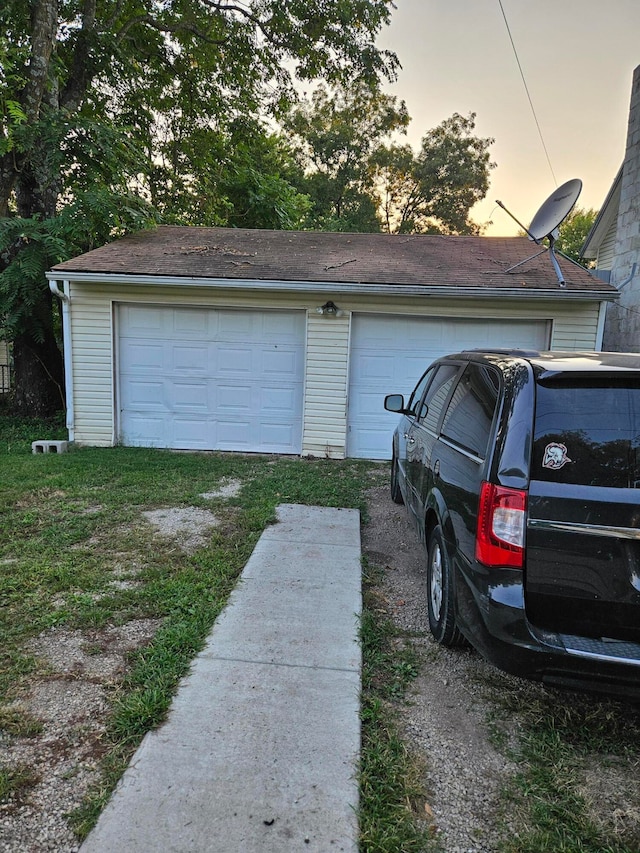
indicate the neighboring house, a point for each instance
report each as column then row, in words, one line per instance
column 5, row 377
column 614, row 240
column 287, row 342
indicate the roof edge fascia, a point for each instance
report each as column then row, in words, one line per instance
column 369, row 289
column 603, row 220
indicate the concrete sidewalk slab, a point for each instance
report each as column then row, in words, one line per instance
column 260, row 749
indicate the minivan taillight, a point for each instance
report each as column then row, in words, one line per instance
column 502, row 519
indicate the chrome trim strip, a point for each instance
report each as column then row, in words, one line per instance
column 588, row 529
column 579, row 653
column 464, row 452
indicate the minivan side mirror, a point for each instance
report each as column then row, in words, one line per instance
column 394, row 403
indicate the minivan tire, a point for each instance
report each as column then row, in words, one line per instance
column 440, row 593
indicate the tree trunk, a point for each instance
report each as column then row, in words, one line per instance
column 38, row 377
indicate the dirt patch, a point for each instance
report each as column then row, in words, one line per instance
column 227, row 489
column 188, row 526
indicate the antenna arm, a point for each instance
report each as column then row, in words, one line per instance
column 524, row 228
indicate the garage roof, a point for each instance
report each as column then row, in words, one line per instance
column 429, row 261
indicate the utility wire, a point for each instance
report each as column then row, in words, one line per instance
column 527, row 91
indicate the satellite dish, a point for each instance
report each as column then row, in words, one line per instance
column 545, row 224
column 554, row 211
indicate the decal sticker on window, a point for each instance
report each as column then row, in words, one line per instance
column 555, row 456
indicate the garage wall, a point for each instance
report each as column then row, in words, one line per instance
column 574, row 325
column 325, row 400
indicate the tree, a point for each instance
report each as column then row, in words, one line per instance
column 336, row 135
column 239, row 175
column 97, row 99
column 435, row 189
column 573, row 233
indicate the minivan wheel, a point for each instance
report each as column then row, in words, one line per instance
column 396, row 494
column 440, row 598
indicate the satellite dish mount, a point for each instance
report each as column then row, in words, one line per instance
column 546, row 223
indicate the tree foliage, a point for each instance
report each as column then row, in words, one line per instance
column 336, row 135
column 115, row 112
column 359, row 179
column 433, row 190
column 573, row 233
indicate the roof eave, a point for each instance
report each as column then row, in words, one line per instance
column 454, row 290
column 603, row 220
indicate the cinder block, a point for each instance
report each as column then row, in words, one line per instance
column 49, row 446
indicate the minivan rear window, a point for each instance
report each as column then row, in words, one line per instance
column 467, row 421
column 587, row 432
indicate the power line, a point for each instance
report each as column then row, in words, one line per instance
column 526, row 88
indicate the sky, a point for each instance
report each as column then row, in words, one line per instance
column 577, row 57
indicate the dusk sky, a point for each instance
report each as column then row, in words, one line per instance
column 577, row 57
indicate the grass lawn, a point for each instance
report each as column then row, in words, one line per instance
column 79, row 558
column 77, row 555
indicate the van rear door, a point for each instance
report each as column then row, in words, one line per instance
column 582, row 566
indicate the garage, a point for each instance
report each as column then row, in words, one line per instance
column 210, row 379
column 389, row 354
column 287, row 341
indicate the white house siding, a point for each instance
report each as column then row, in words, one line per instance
column 577, row 327
column 4, row 368
column 604, row 261
column 325, row 399
column 93, row 392
column 573, row 322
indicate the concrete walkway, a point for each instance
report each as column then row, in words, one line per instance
column 260, row 749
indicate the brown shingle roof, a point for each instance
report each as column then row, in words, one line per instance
column 307, row 256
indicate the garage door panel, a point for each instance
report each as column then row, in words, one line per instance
column 275, row 435
column 190, row 395
column 190, row 322
column 280, row 363
column 140, row 393
column 141, row 355
column 148, row 428
column 211, row 379
column 389, row 354
column 365, row 404
column 234, row 399
column 143, row 321
column 277, row 400
column 191, row 358
column 237, row 360
column 193, row 432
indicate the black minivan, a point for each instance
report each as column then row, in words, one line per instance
column 521, row 471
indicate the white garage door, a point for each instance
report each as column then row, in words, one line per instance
column 389, row 355
column 208, row 379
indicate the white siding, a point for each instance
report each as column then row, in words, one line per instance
column 574, row 326
column 606, row 250
column 577, row 329
column 5, row 383
column 325, row 399
column 93, row 371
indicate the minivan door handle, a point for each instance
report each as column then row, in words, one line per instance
column 410, row 439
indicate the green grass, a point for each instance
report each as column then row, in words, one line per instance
column 392, row 813
column 15, row 781
column 561, row 737
column 71, row 524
